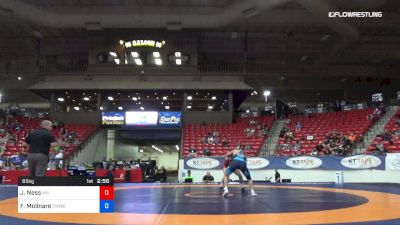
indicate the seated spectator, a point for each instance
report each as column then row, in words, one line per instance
column 352, row 138
column 297, row 147
column 225, row 142
column 188, row 178
column 161, row 175
column 192, row 152
column 298, row 126
column 208, row 178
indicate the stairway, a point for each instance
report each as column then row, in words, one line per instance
column 271, row 142
column 376, row 129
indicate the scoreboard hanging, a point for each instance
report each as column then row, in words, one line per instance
column 66, row 195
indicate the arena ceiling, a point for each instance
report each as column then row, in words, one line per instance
column 320, row 57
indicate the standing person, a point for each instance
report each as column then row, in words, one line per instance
column 277, row 176
column 39, row 143
column 239, row 162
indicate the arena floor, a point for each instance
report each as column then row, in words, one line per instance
column 199, row 204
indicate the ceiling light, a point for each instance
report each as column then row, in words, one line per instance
column 178, row 54
column 189, row 106
column 60, row 99
column 162, row 103
column 135, row 54
column 101, row 108
column 140, row 150
column 165, row 97
column 189, row 97
column 177, row 147
column 134, row 98
column 138, row 62
column 267, row 93
column 178, row 61
column 247, row 110
column 19, row 78
column 110, row 98
column 76, row 108
column 158, row 61
column 121, row 42
column 113, row 54
column 116, row 61
column 141, row 108
column 214, row 98
column 167, row 107
column 210, row 107
column 86, row 99
column 156, row 54
column 153, row 146
column 120, row 108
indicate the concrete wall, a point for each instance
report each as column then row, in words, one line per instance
column 197, row 117
column 77, row 117
column 349, row 176
column 95, row 151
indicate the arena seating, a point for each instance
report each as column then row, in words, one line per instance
column 234, row 133
column 390, row 127
column 83, row 132
column 319, row 125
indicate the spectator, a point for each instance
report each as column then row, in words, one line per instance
column 208, row 177
column 298, row 126
column 297, row 147
column 225, row 142
column 277, row 176
column 188, row 177
column 161, row 175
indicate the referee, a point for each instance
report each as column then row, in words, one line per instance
column 38, row 143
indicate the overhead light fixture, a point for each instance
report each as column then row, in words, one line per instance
column 158, row 61
column 189, row 97
column 214, row 98
column 267, row 93
column 165, row 97
column 138, row 62
column 141, row 108
column 116, row 61
column 121, row 42
column 153, row 146
column 210, row 107
column 135, row 54
column 167, row 107
column 113, row 54
column 110, row 98
column 101, row 108
column 178, row 61
column 177, row 147
column 189, row 106
column 247, row 110
column 140, row 150
column 156, row 54
column 120, row 108
column 76, row 108
column 134, row 98
column 60, row 99
column 19, row 78
column 86, row 99
column 178, row 54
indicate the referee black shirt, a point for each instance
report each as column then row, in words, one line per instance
column 39, row 141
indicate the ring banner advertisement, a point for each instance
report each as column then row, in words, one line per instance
column 356, row 162
column 393, row 161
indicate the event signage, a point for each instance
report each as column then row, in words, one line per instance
column 361, row 162
column 257, row 163
column 393, row 161
column 203, row 163
column 169, row 118
column 358, row 162
column 112, row 118
column 143, row 43
column 304, row 162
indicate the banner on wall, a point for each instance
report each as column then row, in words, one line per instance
column 357, row 162
column 393, row 161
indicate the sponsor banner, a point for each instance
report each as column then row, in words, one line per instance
column 169, row 118
column 357, row 162
column 112, row 118
column 393, row 161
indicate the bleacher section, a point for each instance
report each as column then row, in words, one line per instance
column 391, row 127
column 319, row 125
column 234, row 133
column 83, row 132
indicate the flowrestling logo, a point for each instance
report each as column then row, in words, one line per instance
column 202, row 163
column 304, row 162
column 356, row 14
column 257, row 163
column 361, row 162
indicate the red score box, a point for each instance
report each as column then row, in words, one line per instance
column 106, row 193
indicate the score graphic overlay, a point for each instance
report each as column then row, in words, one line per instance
column 65, row 195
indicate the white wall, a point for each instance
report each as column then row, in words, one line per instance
column 130, row 151
column 350, row 176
